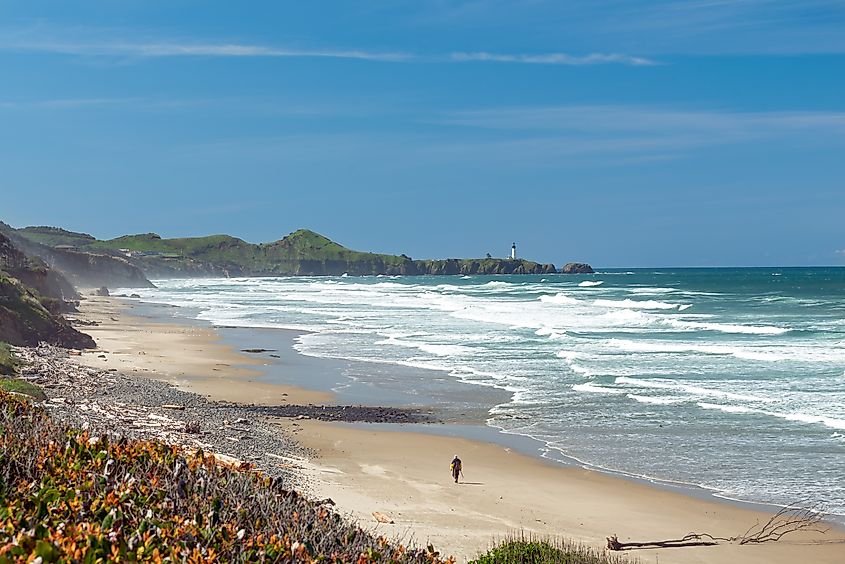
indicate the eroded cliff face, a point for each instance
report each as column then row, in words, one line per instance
column 86, row 269
column 56, row 293
column 28, row 316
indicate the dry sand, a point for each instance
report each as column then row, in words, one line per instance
column 406, row 475
column 192, row 358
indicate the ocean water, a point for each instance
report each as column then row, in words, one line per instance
column 728, row 379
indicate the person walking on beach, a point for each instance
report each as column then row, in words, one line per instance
column 456, row 468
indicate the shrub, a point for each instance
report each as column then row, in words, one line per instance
column 22, row 387
column 68, row 496
column 534, row 550
column 8, row 362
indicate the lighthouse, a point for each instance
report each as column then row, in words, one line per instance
column 513, row 251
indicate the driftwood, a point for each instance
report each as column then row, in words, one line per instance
column 382, row 518
column 792, row 518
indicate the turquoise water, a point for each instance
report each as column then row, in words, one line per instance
column 730, row 379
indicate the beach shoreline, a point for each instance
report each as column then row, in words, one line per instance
column 405, row 474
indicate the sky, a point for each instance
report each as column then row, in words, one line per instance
column 620, row 133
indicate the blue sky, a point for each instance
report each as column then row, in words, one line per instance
column 665, row 133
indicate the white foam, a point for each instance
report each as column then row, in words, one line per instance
column 588, row 283
column 831, row 422
column 551, row 333
column 728, row 408
column 807, row 353
column 559, row 298
column 665, row 384
column 648, row 290
column 578, row 369
column 593, row 389
column 726, row 327
column 569, row 355
column 808, row 418
column 431, row 348
column 657, row 400
column 637, row 304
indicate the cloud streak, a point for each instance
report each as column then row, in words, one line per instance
column 553, row 59
column 597, row 119
column 168, row 48
column 173, row 49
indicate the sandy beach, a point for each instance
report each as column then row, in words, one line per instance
column 405, row 474
column 191, row 357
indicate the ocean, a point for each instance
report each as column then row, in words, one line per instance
column 732, row 380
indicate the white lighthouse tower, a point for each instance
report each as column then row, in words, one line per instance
column 513, row 251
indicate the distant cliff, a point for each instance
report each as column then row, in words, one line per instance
column 28, row 317
column 482, row 266
column 83, row 267
column 302, row 253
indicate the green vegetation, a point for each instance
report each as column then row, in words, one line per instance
column 68, row 497
column 25, row 321
column 151, row 242
column 303, row 252
column 22, row 387
column 530, row 550
column 8, row 362
column 53, row 236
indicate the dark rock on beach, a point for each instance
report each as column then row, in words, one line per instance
column 345, row 413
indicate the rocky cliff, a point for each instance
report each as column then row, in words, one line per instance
column 28, row 317
column 57, row 294
column 482, row 266
column 84, row 268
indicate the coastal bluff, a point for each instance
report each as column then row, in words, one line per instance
column 301, row 253
column 32, row 299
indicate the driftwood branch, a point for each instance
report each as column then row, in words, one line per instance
column 792, row 518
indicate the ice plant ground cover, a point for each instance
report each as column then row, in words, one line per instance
column 66, row 495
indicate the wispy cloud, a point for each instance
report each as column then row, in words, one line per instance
column 636, row 134
column 173, row 49
column 98, row 43
column 657, row 27
column 598, row 119
column 554, row 58
column 65, row 103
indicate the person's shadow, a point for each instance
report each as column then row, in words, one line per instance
column 472, row 483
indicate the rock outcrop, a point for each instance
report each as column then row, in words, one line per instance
column 577, row 268
column 56, row 293
column 26, row 316
column 83, row 268
column 481, row 266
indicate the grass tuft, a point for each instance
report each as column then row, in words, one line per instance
column 523, row 549
column 8, row 362
column 16, row 386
